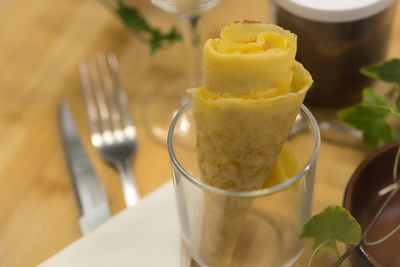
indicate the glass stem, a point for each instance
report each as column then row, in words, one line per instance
column 192, row 43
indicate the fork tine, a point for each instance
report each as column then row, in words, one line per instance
column 121, row 96
column 99, row 95
column 109, row 92
column 90, row 104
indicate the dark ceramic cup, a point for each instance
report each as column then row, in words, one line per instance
column 367, row 189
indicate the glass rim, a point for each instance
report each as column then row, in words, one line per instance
column 251, row 193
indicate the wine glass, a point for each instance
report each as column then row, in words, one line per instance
column 170, row 97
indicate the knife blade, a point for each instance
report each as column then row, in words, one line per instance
column 89, row 191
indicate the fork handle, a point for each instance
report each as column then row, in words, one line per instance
column 129, row 187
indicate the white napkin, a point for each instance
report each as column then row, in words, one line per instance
column 144, row 235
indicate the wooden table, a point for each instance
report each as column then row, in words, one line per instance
column 40, row 45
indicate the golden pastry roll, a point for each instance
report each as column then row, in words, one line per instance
column 239, row 138
column 253, row 90
column 250, row 58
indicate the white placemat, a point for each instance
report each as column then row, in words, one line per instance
column 144, row 235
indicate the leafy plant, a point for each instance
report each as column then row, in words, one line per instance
column 332, row 224
column 370, row 116
column 132, row 19
column 335, row 224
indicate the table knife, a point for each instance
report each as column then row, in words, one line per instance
column 90, row 193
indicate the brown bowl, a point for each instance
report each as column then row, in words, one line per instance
column 367, row 189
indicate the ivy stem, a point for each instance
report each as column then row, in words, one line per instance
column 316, row 251
column 372, row 243
column 377, row 215
column 392, row 194
column 396, row 164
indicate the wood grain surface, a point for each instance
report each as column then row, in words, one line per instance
column 40, row 44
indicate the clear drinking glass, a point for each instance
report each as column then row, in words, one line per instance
column 171, row 96
column 252, row 228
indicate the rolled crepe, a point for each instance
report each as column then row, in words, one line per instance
column 252, row 93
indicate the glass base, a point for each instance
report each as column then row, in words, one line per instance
column 266, row 233
column 161, row 107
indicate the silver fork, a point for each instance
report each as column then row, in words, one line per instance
column 113, row 130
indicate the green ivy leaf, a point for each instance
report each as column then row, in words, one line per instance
column 388, row 71
column 398, row 98
column 173, row 35
column 132, row 19
column 155, row 41
column 369, row 117
column 135, row 22
column 370, row 96
column 333, row 224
